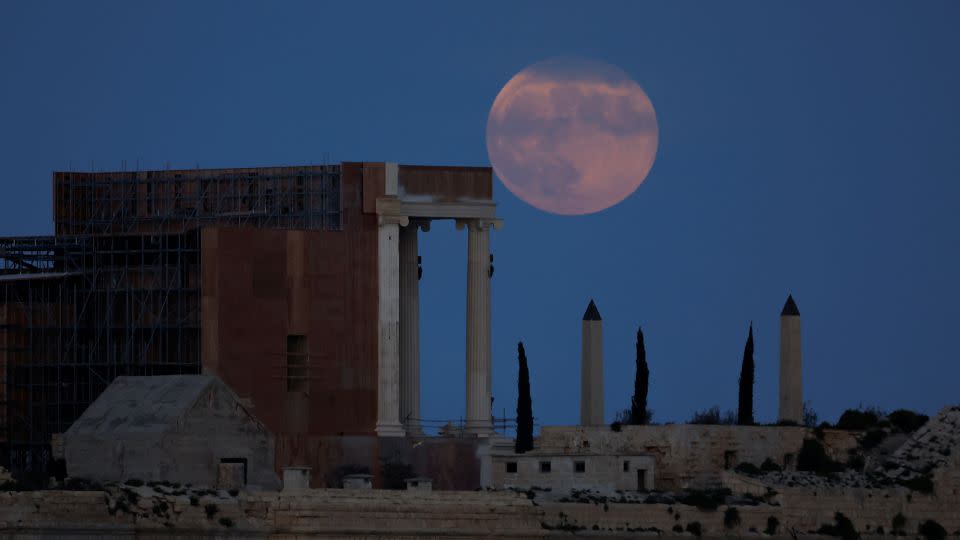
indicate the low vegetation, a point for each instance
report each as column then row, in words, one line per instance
column 712, row 416
column 731, row 518
column 898, row 525
column 211, row 510
column 813, row 458
column 907, row 421
column 931, row 530
column 706, row 500
column 772, row 525
column 842, row 527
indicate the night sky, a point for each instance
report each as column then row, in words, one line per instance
column 809, row 148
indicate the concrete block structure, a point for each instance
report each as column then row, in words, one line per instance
column 178, row 428
column 591, row 368
column 791, row 364
column 559, row 471
column 297, row 286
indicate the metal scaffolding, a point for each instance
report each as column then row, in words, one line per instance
column 117, row 290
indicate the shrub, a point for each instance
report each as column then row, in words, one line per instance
column 226, row 522
column 131, row 496
column 708, row 416
column 678, row 528
column 809, row 415
column 843, row 528
column 857, row 420
column 907, row 421
column 898, row 524
column 211, row 510
column 234, row 492
column 82, row 484
column 704, row 500
column 695, row 528
column 194, row 501
column 856, row 462
column 160, row 508
column 747, row 468
column 922, row 483
column 814, row 458
column 772, row 525
column 616, row 426
column 931, row 530
column 873, row 438
column 135, row 482
column 769, row 465
column 731, row 518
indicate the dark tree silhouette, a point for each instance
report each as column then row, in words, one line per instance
column 641, row 383
column 524, row 405
column 745, row 408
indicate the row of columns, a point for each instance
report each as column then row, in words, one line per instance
column 398, row 406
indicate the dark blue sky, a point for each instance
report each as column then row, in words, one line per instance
column 809, row 148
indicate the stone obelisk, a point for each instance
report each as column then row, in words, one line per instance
column 791, row 364
column 591, row 368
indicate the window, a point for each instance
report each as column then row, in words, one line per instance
column 296, row 363
column 787, row 461
column 626, row 466
column 579, row 466
column 544, row 466
column 511, row 466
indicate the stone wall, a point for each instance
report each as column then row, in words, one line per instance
column 340, row 513
column 800, row 511
column 183, row 512
column 694, row 455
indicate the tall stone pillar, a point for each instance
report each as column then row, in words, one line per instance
column 410, row 327
column 591, row 368
column 791, row 365
column 479, row 420
column 388, row 259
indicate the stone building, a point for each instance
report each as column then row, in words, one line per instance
column 297, row 286
column 177, row 428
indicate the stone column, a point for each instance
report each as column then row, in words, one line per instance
column 478, row 326
column 388, row 366
column 410, row 327
column 791, row 364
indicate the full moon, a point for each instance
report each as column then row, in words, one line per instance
column 572, row 136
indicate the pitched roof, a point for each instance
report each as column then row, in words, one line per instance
column 592, row 314
column 790, row 308
column 147, row 405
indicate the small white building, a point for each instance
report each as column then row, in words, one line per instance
column 565, row 471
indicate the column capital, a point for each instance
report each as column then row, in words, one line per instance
column 388, row 211
column 420, row 223
column 479, row 224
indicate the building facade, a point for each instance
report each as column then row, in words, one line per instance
column 295, row 285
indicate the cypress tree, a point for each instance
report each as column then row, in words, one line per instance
column 524, row 405
column 641, row 383
column 745, row 408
